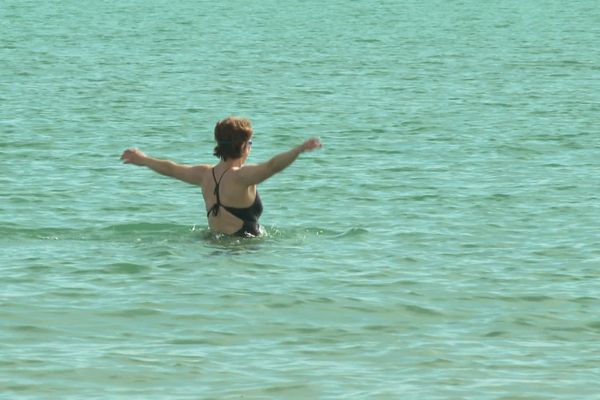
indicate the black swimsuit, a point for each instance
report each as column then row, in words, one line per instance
column 248, row 215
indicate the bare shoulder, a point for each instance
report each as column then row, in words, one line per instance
column 251, row 174
column 193, row 174
column 201, row 170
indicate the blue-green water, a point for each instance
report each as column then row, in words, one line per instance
column 444, row 245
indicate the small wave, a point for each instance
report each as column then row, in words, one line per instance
column 14, row 231
column 144, row 227
column 111, row 232
column 316, row 231
column 421, row 310
column 271, row 233
column 127, row 268
column 187, row 342
column 133, row 312
column 594, row 326
column 534, row 298
column 353, row 233
column 300, row 232
column 152, row 232
column 146, row 232
column 32, row 329
column 495, row 334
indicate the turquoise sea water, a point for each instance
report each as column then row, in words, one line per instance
column 443, row 245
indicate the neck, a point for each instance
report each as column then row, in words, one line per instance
column 237, row 163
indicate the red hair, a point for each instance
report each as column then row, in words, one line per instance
column 231, row 134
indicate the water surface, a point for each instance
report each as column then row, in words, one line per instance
column 443, row 245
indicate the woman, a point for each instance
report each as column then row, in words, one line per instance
column 229, row 188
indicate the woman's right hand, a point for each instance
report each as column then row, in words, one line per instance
column 133, row 156
column 311, row 144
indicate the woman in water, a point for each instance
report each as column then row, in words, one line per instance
column 229, row 188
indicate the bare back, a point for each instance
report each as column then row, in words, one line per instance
column 232, row 194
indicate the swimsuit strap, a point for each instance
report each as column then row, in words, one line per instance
column 215, row 208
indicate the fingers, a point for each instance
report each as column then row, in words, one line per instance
column 127, row 156
column 312, row 144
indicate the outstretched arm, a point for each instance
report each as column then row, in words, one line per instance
column 255, row 174
column 186, row 173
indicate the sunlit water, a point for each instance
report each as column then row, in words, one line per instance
column 443, row 245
